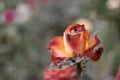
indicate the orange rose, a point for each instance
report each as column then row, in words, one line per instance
column 74, row 42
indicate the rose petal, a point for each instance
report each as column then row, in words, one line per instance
column 58, row 50
column 68, row 73
column 57, row 46
column 85, row 37
column 94, row 55
column 72, row 43
column 57, row 60
column 93, row 43
column 90, row 52
column 75, row 37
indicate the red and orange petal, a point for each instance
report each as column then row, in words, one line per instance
column 57, row 46
column 57, row 60
column 90, row 52
column 94, row 54
column 72, row 43
column 58, row 51
column 118, row 75
column 85, row 36
column 66, row 74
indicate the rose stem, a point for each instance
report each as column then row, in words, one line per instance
column 79, row 68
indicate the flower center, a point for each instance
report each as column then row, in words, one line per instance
column 75, row 31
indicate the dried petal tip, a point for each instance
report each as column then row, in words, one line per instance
column 96, row 40
column 94, row 55
column 97, row 54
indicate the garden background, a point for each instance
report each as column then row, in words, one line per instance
column 26, row 26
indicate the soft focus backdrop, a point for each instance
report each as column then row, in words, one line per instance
column 26, row 26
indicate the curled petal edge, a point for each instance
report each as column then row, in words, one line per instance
column 91, row 52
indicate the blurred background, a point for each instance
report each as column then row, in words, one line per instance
column 26, row 26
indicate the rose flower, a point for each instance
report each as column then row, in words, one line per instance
column 74, row 42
